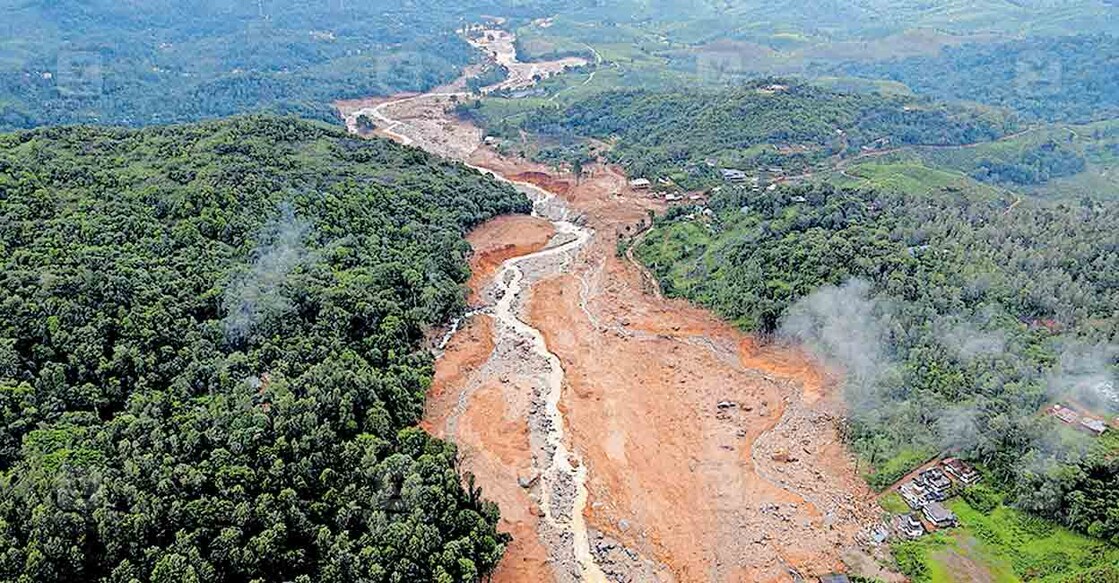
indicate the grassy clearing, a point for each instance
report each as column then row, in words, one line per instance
column 893, row 469
column 1097, row 144
column 672, row 252
column 1006, row 545
column 892, row 503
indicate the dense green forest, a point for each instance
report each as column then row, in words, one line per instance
column 761, row 123
column 163, row 61
column 1070, row 79
column 211, row 362
column 955, row 313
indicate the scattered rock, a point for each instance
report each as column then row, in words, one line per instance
column 528, row 481
column 782, row 456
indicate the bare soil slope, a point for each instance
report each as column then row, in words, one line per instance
column 749, row 491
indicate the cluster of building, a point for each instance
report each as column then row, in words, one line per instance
column 644, row 185
column 926, row 493
column 1073, row 418
column 767, row 177
column 763, row 179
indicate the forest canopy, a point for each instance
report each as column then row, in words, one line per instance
column 1061, row 79
column 211, row 360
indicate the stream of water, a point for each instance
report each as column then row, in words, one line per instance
column 561, row 469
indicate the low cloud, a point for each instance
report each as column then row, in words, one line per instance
column 848, row 328
column 1085, row 373
column 258, row 294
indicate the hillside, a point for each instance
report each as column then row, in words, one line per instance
column 140, row 63
column 211, row 360
column 510, row 291
column 955, row 312
column 716, row 43
column 689, row 134
column 1069, row 79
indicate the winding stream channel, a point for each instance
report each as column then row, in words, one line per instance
column 562, row 475
column 565, row 514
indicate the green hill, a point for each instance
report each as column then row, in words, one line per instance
column 162, row 61
column 211, row 361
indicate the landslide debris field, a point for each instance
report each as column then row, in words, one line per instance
column 626, row 437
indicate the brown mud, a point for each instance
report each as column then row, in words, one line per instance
column 499, row 240
column 626, row 437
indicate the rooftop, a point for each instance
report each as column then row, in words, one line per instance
column 1094, row 425
column 937, row 513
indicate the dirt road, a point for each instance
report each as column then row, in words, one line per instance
column 625, row 436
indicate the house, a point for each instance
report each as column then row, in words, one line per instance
column 674, row 197
column 934, row 495
column 937, row 514
column 934, row 479
column 908, row 526
column 835, row 578
column 732, row 175
column 640, row 184
column 879, row 144
column 913, row 494
column 1094, row 426
column 917, row 250
column 880, row 534
column 1069, row 416
column 1065, row 414
column 963, row 473
column 935, row 483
